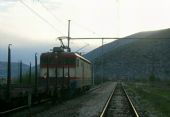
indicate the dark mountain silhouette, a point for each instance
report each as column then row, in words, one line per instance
column 136, row 56
column 14, row 69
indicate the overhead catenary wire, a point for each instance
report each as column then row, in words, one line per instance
column 38, row 15
column 82, row 47
column 46, row 21
column 56, row 18
column 59, row 20
column 84, row 27
column 52, row 14
column 96, row 38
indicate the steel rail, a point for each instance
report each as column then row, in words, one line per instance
column 131, row 104
column 19, row 108
column 34, row 104
column 13, row 110
column 109, row 99
column 107, row 103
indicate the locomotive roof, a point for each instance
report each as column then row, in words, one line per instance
column 70, row 54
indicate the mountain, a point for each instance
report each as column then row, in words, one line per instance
column 106, row 48
column 134, row 57
column 14, row 69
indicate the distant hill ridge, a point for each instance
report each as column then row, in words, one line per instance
column 144, row 54
column 14, row 69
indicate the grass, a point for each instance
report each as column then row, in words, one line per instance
column 156, row 95
column 25, row 80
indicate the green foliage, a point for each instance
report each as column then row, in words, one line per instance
column 155, row 99
column 25, row 79
column 152, row 78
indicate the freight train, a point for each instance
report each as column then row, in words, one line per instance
column 61, row 75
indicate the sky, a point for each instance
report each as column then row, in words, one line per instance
column 33, row 25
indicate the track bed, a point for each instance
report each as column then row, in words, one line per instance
column 119, row 104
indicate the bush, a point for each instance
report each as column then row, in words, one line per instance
column 152, row 78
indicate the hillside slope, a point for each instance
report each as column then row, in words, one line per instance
column 146, row 53
column 14, row 69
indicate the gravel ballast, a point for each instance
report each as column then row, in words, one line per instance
column 87, row 105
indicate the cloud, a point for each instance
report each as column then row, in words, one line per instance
column 52, row 4
column 24, row 48
column 107, row 18
column 6, row 4
column 20, row 42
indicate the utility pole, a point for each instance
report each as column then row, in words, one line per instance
column 36, row 73
column 29, row 74
column 47, row 78
column 102, row 59
column 20, row 69
column 93, row 74
column 9, row 72
column 68, row 50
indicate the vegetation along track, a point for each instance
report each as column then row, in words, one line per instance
column 119, row 104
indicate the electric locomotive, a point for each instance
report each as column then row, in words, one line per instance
column 64, row 73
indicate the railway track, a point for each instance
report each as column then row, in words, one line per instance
column 20, row 108
column 119, row 104
column 26, row 107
